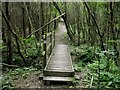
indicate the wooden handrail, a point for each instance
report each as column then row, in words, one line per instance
column 46, row 24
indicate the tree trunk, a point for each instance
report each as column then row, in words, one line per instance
column 9, row 38
column 16, row 37
column 98, row 30
column 30, row 31
column 3, row 35
column 113, row 33
column 43, row 33
column 24, row 32
column 78, row 22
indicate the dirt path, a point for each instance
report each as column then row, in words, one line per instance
column 61, row 34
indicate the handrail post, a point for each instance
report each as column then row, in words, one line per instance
column 51, row 39
column 44, row 48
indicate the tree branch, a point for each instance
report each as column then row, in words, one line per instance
column 8, row 23
column 4, row 64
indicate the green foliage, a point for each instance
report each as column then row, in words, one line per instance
column 78, row 66
column 30, row 47
column 20, row 71
column 17, row 60
column 85, row 53
column 2, row 47
column 102, row 71
column 8, row 78
column 6, row 82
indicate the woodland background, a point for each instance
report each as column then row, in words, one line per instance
column 92, row 28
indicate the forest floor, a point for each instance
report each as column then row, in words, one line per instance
column 32, row 80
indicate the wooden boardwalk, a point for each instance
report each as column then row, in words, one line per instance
column 59, row 66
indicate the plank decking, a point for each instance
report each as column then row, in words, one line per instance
column 59, row 66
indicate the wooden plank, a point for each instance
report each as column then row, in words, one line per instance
column 60, row 63
column 51, row 78
column 59, row 74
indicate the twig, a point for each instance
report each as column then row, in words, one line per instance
column 91, row 82
column 4, row 64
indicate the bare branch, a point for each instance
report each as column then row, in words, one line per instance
column 4, row 64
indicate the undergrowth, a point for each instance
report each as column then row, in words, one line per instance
column 10, row 76
column 97, row 67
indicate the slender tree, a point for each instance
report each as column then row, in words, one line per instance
column 9, row 38
column 98, row 30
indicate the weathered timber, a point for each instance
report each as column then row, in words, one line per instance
column 49, row 78
column 59, row 66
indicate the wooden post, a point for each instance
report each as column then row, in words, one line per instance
column 54, row 28
column 54, row 38
column 51, row 30
column 51, row 40
column 44, row 49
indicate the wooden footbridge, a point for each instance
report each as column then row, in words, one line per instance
column 58, row 66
